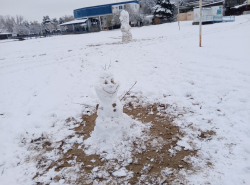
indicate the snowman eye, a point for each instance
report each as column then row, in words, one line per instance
column 106, row 82
column 112, row 81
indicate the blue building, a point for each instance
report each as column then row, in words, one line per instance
column 94, row 18
column 102, row 10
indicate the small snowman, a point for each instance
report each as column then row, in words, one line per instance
column 114, row 132
column 125, row 27
column 106, row 89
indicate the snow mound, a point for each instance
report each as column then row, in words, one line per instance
column 121, row 172
column 113, row 138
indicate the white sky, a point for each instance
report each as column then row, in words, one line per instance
column 36, row 9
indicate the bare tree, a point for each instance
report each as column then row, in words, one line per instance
column 109, row 21
column 19, row 19
column 8, row 22
column 21, row 29
column 66, row 18
column 2, row 28
column 35, row 27
column 146, row 6
column 134, row 15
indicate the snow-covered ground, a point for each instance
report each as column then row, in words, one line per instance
column 45, row 81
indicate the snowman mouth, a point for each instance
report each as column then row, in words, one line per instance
column 111, row 92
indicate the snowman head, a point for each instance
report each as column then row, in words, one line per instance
column 107, row 87
column 124, row 17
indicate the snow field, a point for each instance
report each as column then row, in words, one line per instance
column 45, row 81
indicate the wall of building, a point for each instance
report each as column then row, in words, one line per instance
column 120, row 7
column 209, row 11
column 5, row 36
column 189, row 16
column 182, row 16
column 157, row 20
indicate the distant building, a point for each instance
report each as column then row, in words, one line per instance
column 99, row 17
column 238, row 7
column 232, row 3
column 5, row 35
column 190, row 4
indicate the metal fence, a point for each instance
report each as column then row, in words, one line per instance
column 228, row 18
column 211, row 18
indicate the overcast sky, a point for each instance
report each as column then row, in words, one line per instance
column 36, row 9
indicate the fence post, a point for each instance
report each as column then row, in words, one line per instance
column 200, row 20
column 178, row 15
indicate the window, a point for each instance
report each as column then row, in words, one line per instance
column 120, row 7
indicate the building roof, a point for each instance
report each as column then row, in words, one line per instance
column 99, row 10
column 109, row 2
column 192, row 4
column 218, row 3
column 74, row 22
column 5, row 33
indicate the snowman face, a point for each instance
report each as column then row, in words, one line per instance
column 107, row 87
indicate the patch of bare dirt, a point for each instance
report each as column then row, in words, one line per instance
column 119, row 43
column 162, row 131
column 207, row 135
column 161, row 151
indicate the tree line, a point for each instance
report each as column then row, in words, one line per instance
column 165, row 9
column 18, row 25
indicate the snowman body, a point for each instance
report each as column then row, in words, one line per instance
column 125, row 27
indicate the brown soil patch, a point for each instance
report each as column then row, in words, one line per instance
column 149, row 164
column 162, row 130
column 119, row 43
column 207, row 135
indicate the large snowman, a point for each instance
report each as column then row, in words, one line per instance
column 125, row 27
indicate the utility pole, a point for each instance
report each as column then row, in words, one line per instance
column 200, row 20
column 178, row 15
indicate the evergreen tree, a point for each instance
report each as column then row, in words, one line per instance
column 46, row 19
column 164, row 9
column 54, row 21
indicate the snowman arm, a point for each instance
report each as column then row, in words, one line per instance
column 128, row 91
